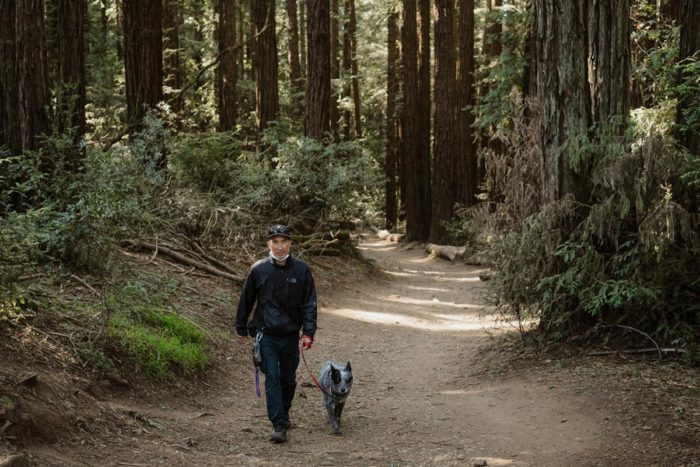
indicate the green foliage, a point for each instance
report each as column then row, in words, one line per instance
column 155, row 339
column 654, row 55
column 295, row 177
column 631, row 258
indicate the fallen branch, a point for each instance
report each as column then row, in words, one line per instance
column 185, row 260
column 85, row 284
column 445, row 251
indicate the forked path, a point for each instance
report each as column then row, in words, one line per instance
column 412, row 335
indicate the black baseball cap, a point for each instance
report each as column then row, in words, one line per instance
column 278, row 230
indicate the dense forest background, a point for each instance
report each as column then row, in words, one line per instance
column 558, row 141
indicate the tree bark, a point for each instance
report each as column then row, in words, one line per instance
column 265, row 62
column 416, row 167
column 335, row 68
column 392, row 89
column 465, row 100
column 228, row 70
column 347, row 74
column 446, row 157
column 10, row 135
column 70, row 98
column 563, row 94
column 295, row 79
column 143, row 57
column 609, row 52
column 673, row 9
column 303, row 49
column 689, row 46
column 32, row 73
column 172, row 74
column 352, row 34
column 318, row 93
column 424, row 84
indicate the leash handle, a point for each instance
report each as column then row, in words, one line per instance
column 313, row 378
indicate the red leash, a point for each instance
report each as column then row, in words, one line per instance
column 318, row 385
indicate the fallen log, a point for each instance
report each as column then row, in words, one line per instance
column 388, row 236
column 182, row 259
column 445, row 251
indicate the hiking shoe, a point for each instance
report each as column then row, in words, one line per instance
column 288, row 425
column 279, row 435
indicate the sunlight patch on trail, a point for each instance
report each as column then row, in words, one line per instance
column 451, row 324
column 433, row 302
column 427, row 289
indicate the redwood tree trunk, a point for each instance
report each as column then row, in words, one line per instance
column 32, row 73
column 563, row 93
column 392, row 89
column 446, row 156
column 265, row 62
column 352, row 34
column 143, row 57
column 690, row 44
column 464, row 100
column 609, row 51
column 335, row 67
column 172, row 74
column 416, row 167
column 70, row 101
column 9, row 121
column 424, row 84
column 228, row 69
column 295, row 79
column 347, row 73
column 318, row 93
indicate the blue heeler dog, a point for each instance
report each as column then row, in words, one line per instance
column 335, row 381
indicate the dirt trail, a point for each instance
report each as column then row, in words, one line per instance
column 411, row 332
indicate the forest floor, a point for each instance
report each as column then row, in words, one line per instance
column 437, row 382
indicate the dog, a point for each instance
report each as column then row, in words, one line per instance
column 335, row 381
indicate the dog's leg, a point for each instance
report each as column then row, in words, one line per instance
column 338, row 412
column 332, row 419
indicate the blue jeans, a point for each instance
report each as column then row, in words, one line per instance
column 280, row 356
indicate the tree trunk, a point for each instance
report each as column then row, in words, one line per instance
column 347, row 74
column 172, row 75
column 352, row 34
column 335, row 68
column 464, row 101
column 689, row 136
column 673, row 9
column 609, row 52
column 228, row 71
column 563, row 94
column 70, row 98
column 303, row 51
column 10, row 135
column 32, row 73
column 143, row 52
column 318, row 92
column 295, row 80
column 424, row 75
column 265, row 62
column 446, row 156
column 392, row 89
column 416, row 167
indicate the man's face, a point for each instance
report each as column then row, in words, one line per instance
column 279, row 246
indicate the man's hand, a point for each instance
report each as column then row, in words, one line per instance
column 306, row 342
column 242, row 339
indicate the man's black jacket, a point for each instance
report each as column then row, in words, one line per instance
column 284, row 299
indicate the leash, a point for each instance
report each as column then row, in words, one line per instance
column 257, row 382
column 313, row 378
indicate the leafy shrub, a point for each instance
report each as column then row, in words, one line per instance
column 631, row 258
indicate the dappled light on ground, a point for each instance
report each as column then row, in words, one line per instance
column 431, row 302
column 452, row 323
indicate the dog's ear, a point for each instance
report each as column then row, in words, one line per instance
column 335, row 375
column 347, row 367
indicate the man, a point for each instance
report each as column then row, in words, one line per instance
column 282, row 289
